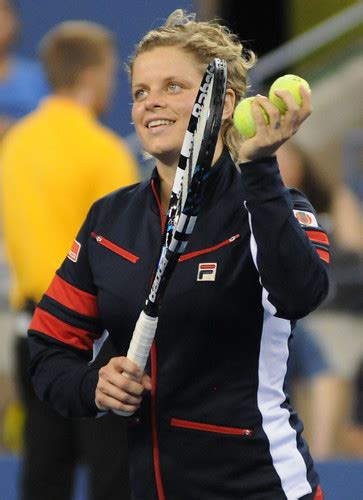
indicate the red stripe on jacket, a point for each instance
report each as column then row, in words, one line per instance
column 72, row 297
column 319, row 494
column 324, row 255
column 44, row 322
column 191, row 255
column 318, row 236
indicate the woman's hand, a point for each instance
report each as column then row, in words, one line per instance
column 115, row 391
column 269, row 137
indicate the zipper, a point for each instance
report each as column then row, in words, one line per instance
column 158, row 202
column 196, row 253
column 154, row 426
column 154, row 419
column 115, row 248
column 219, row 429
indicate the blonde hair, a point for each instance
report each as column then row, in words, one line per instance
column 70, row 48
column 204, row 40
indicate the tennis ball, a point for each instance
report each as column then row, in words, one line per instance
column 243, row 118
column 290, row 83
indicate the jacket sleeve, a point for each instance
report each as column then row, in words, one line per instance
column 289, row 247
column 62, row 333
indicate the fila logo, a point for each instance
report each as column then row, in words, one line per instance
column 74, row 251
column 207, row 271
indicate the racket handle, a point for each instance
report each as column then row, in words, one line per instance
column 140, row 346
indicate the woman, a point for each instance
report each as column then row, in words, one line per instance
column 212, row 419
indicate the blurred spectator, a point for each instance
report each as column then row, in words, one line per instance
column 22, row 82
column 22, row 85
column 347, row 213
column 354, row 440
column 341, row 212
column 298, row 171
column 324, row 402
column 312, row 386
column 55, row 163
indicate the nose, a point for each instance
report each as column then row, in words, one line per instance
column 154, row 100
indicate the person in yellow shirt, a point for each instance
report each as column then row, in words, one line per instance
column 54, row 164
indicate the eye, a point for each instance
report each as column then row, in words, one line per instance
column 140, row 94
column 174, row 87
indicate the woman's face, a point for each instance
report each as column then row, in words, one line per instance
column 165, row 81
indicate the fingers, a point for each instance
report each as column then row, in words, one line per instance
column 307, row 102
column 300, row 110
column 290, row 121
column 121, row 386
column 146, row 382
column 274, row 116
column 116, row 400
column 282, row 127
column 122, row 364
column 279, row 128
column 272, row 132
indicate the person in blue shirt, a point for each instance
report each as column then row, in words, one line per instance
column 22, row 82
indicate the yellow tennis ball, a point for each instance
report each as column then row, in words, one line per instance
column 292, row 84
column 243, row 118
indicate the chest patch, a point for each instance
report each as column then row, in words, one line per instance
column 207, row 271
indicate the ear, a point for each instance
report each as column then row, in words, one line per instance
column 229, row 104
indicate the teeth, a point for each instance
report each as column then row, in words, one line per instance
column 156, row 123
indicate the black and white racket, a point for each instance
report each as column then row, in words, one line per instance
column 194, row 166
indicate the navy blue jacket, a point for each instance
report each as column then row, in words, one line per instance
column 218, row 424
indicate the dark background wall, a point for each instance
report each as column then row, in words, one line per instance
column 128, row 19
column 261, row 24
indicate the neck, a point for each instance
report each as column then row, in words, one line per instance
column 82, row 96
column 167, row 174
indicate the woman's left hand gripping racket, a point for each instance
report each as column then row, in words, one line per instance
column 194, row 166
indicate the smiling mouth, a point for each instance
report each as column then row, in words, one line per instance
column 157, row 123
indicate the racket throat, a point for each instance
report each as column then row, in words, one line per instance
column 152, row 309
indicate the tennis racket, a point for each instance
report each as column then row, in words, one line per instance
column 193, row 169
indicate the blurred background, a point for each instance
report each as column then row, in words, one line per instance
column 322, row 42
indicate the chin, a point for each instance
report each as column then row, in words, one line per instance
column 162, row 152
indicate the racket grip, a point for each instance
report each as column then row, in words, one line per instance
column 140, row 345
